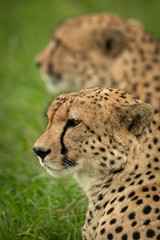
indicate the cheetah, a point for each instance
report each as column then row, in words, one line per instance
column 103, row 50
column 110, row 141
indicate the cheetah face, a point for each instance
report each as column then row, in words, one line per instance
column 87, row 51
column 91, row 131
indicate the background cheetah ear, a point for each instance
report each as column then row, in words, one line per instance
column 113, row 41
column 136, row 116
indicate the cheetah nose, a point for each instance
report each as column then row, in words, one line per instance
column 38, row 64
column 41, row 152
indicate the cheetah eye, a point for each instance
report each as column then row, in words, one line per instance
column 109, row 44
column 73, row 122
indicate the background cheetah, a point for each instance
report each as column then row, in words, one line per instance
column 103, row 51
column 111, row 142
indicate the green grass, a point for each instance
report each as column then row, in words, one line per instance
column 33, row 205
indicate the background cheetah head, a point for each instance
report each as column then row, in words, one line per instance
column 90, row 51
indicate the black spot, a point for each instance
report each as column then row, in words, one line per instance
column 113, row 221
column 151, row 177
column 138, row 175
column 140, row 182
column 158, row 237
column 99, row 139
column 131, row 216
column 131, row 194
column 112, row 162
column 154, row 188
column 121, row 189
column 105, row 204
column 156, row 159
column 140, row 201
column 98, row 207
column 90, row 213
column 89, row 221
column 113, row 191
column 135, row 198
column 112, row 153
column 136, row 235
column 121, row 199
column 155, row 140
column 102, row 164
column 102, row 149
column 124, row 209
column 132, row 183
column 113, row 200
column 157, row 89
column 110, row 210
column 119, row 229
column 156, row 198
column 104, row 222
column 134, row 224
column 124, row 237
column 157, row 210
column 147, row 209
column 149, row 165
column 136, row 167
column 149, row 146
column 145, row 189
column 100, row 197
column 147, row 196
column 128, row 179
column 150, row 233
column 96, row 153
column 156, row 78
column 110, row 236
column 102, row 231
column 147, row 222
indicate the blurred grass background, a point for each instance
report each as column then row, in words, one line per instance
column 33, row 205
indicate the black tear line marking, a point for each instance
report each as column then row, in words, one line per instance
column 54, row 49
column 64, row 149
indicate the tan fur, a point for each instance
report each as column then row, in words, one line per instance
column 111, row 142
column 103, row 50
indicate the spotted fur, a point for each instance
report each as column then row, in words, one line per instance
column 110, row 141
column 103, row 51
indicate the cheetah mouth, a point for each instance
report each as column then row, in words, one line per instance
column 52, row 169
column 55, row 79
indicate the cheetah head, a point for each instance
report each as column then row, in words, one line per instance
column 93, row 131
column 89, row 51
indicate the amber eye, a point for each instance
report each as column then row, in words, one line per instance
column 76, row 122
column 73, row 122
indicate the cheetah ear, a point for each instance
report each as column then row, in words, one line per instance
column 136, row 116
column 113, row 41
